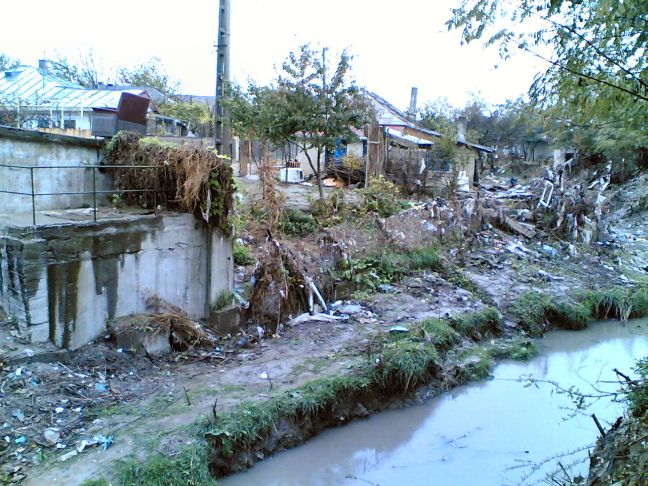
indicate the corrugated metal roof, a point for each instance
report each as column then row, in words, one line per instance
column 30, row 86
column 388, row 115
column 408, row 139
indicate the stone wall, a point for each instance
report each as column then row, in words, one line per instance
column 62, row 282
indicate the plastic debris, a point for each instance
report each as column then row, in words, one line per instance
column 398, row 329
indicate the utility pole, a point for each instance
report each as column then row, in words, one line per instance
column 222, row 128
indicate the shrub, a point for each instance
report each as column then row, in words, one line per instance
column 298, row 223
column 382, row 197
column 242, row 255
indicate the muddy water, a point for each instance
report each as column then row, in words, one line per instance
column 489, row 433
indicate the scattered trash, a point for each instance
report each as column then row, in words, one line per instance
column 395, row 329
column 21, row 440
column 386, row 288
column 19, row 415
column 52, row 436
column 549, row 250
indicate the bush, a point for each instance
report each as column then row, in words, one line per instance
column 242, row 255
column 298, row 223
column 382, row 197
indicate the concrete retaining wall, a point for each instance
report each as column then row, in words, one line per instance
column 64, row 281
column 27, row 148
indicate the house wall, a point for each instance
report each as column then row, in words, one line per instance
column 43, row 151
column 62, row 282
column 303, row 160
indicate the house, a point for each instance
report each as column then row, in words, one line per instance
column 410, row 150
column 35, row 98
column 398, row 147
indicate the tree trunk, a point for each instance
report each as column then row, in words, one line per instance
column 319, row 174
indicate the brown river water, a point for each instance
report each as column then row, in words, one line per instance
column 496, row 432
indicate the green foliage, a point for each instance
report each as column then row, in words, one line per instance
column 196, row 114
column 389, row 266
column 149, row 74
column 406, row 363
column 439, row 333
column 595, row 87
column 224, row 299
column 242, row 255
column 382, row 197
column 117, row 201
column 187, row 468
column 148, row 142
column 638, row 392
column 535, row 310
column 298, row 223
column 478, row 325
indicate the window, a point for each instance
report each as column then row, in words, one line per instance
column 69, row 124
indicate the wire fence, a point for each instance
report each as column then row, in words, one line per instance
column 35, row 172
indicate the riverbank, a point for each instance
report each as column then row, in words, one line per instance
column 422, row 328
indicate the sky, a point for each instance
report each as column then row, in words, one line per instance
column 396, row 44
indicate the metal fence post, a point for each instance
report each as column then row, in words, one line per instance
column 33, row 195
column 94, row 191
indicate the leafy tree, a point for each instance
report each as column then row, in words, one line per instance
column 84, row 72
column 197, row 115
column 303, row 107
column 7, row 62
column 597, row 80
column 150, row 73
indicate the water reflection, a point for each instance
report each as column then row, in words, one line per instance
column 478, row 434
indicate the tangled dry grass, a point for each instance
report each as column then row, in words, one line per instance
column 181, row 178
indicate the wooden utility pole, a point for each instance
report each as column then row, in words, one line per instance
column 222, row 132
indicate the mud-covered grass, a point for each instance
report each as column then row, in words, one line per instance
column 537, row 312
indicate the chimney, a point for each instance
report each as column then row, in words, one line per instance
column 413, row 97
column 461, row 129
column 43, row 65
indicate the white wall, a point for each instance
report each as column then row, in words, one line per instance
column 46, row 154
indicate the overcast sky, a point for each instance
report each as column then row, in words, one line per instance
column 396, row 44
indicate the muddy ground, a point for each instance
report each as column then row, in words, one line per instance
column 126, row 405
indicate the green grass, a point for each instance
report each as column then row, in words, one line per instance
column 535, row 309
column 478, row 325
column 439, row 333
column 187, row 468
column 389, row 266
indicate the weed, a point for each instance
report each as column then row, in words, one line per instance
column 439, row 333
column 298, row 223
column 389, row 266
column 117, row 201
column 187, row 468
column 382, row 197
column 478, row 325
column 242, row 255
column 224, row 299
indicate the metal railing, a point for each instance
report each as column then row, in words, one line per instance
column 33, row 194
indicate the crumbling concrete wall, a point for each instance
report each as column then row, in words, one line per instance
column 28, row 148
column 62, row 282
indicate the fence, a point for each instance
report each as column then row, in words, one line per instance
column 34, row 169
